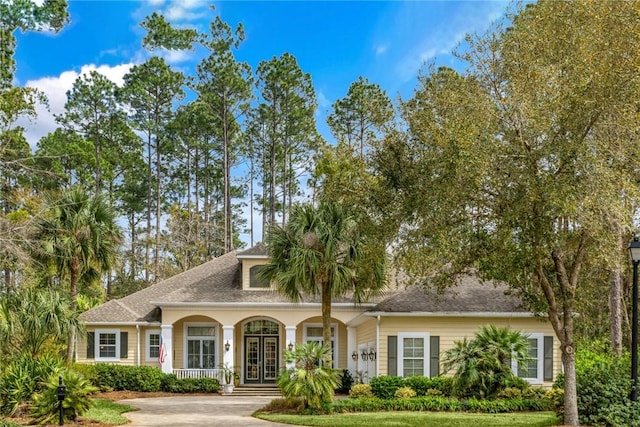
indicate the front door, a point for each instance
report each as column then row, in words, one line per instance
column 261, row 359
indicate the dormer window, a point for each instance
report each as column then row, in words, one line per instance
column 255, row 281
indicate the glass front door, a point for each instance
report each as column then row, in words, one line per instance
column 261, row 359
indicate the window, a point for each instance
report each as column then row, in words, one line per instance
column 200, row 347
column 153, row 345
column 255, row 281
column 313, row 333
column 532, row 370
column 107, row 345
column 413, row 355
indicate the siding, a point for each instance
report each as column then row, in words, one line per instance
column 454, row 329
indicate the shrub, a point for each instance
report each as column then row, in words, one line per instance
column 75, row 403
column 443, row 384
column 360, row 390
column 556, row 396
column 22, row 378
column 419, row 384
column 309, row 378
column 132, row 378
column 434, row 392
column 405, row 393
column 346, row 381
column 603, row 383
column 440, row 404
column 8, row 423
column 509, row 393
column 191, row 385
column 285, row 406
column 385, row 387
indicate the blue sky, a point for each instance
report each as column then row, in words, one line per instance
column 334, row 41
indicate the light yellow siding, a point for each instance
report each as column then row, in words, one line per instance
column 451, row 329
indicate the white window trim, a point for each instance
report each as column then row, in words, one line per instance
column 540, row 362
column 336, row 350
column 185, row 338
column 427, row 351
column 96, row 350
column 147, row 341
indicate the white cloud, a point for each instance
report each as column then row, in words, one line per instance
column 381, row 49
column 445, row 35
column 55, row 88
column 185, row 10
column 175, row 56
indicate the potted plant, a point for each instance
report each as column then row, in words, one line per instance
column 229, row 376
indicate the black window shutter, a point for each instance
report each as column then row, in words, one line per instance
column 548, row 359
column 124, row 345
column 434, row 351
column 392, row 355
column 91, row 345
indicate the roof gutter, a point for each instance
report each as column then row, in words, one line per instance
column 448, row 314
column 121, row 323
column 236, row 305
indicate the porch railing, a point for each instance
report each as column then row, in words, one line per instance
column 198, row 373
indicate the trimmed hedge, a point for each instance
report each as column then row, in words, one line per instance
column 385, row 387
column 441, row 404
column 107, row 377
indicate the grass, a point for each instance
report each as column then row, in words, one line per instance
column 108, row 412
column 418, row 419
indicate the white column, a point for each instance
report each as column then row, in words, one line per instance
column 352, row 346
column 290, row 339
column 167, row 340
column 227, row 337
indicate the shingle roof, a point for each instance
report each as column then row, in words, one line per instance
column 215, row 281
column 219, row 281
column 469, row 296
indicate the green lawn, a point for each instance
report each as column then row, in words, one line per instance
column 108, row 412
column 418, row 419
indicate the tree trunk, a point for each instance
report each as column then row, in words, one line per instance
column 326, row 319
column 74, row 277
column 570, row 393
column 615, row 299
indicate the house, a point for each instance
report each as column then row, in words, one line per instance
column 221, row 313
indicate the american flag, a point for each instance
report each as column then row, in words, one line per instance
column 162, row 353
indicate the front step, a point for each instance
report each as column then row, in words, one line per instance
column 247, row 390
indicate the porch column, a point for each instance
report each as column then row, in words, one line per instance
column 166, row 348
column 227, row 337
column 290, row 338
column 352, row 345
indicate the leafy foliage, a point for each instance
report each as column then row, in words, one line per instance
column 604, row 385
column 405, row 393
column 23, row 376
column 360, row 390
column 483, row 364
column 34, row 322
column 384, row 387
column 346, row 381
column 310, row 379
column 319, row 252
column 75, row 403
column 437, row 403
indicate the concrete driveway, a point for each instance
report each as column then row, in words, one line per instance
column 197, row 411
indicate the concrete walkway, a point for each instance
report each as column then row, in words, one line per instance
column 197, row 411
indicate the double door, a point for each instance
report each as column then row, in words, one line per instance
column 261, row 359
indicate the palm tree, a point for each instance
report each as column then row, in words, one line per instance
column 484, row 364
column 310, row 378
column 32, row 321
column 321, row 251
column 79, row 236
